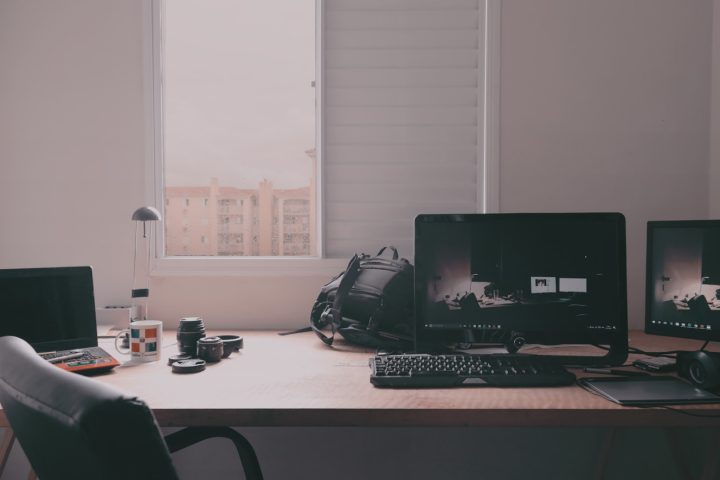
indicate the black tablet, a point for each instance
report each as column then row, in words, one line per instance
column 641, row 391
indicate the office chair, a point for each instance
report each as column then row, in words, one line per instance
column 71, row 426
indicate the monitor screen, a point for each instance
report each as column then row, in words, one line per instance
column 683, row 279
column 50, row 308
column 549, row 278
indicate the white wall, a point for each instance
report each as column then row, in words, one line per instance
column 71, row 130
column 714, row 177
column 605, row 106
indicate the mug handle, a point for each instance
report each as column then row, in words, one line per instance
column 123, row 335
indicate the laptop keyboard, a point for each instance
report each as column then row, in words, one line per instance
column 457, row 370
column 80, row 359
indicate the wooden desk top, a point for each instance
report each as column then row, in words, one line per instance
column 298, row 381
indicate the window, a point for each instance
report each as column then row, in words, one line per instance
column 404, row 118
column 239, row 118
column 409, row 103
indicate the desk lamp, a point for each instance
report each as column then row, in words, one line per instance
column 144, row 215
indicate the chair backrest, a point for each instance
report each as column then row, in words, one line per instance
column 74, row 427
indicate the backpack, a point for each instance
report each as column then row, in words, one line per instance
column 369, row 304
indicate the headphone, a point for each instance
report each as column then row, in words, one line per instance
column 700, row 367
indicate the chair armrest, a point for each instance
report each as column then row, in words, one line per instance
column 192, row 435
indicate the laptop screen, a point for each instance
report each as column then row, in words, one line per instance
column 50, row 308
column 546, row 278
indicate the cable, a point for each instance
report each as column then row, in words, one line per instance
column 685, row 412
column 638, row 351
column 668, row 353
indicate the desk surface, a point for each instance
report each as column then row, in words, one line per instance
column 298, row 381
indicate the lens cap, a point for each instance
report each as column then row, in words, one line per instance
column 177, row 358
column 189, row 366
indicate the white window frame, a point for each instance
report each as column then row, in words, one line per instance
column 488, row 154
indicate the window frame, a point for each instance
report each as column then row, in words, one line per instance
column 487, row 156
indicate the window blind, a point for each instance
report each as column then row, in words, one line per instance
column 403, row 94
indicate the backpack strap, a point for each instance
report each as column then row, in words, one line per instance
column 333, row 312
column 293, row 332
column 394, row 250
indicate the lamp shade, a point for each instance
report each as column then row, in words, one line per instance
column 146, row 214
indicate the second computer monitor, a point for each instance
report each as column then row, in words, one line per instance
column 683, row 279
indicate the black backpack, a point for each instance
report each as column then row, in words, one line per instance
column 369, row 304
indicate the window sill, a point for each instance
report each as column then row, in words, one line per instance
column 246, row 266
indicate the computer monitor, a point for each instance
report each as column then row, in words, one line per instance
column 682, row 294
column 519, row 279
column 50, row 308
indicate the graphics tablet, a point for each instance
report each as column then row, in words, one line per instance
column 639, row 391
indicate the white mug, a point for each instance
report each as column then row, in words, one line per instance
column 145, row 338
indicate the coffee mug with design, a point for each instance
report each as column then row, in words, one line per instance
column 145, row 340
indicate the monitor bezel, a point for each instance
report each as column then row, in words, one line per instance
column 89, row 338
column 616, row 342
column 677, row 332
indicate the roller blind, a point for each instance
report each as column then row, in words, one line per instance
column 402, row 106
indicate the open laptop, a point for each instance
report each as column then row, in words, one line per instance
column 53, row 309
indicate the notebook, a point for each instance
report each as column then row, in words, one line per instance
column 53, row 309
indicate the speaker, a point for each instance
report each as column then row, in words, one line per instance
column 700, row 367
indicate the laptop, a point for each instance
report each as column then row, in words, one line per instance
column 53, row 309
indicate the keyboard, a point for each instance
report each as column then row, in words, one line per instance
column 85, row 360
column 459, row 370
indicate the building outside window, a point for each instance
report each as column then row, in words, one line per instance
column 238, row 136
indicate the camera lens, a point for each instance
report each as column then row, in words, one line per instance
column 210, row 349
column 190, row 330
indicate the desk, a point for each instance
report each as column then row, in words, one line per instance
column 299, row 381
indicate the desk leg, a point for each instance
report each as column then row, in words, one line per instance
column 710, row 464
column 673, row 437
column 604, row 453
column 5, row 446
